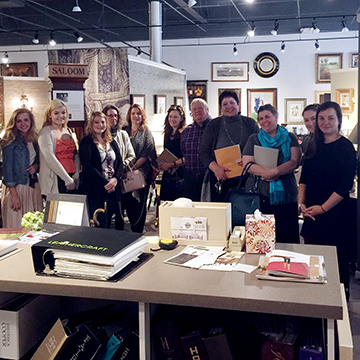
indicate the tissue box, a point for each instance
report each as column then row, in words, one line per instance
column 259, row 234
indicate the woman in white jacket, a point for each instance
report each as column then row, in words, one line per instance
column 59, row 159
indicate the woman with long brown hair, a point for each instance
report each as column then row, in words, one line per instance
column 21, row 191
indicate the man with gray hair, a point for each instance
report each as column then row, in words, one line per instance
column 190, row 145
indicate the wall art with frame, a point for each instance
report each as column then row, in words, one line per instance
column 354, row 60
column 233, row 71
column 20, row 69
column 179, row 100
column 159, row 104
column 138, row 99
column 344, row 97
column 324, row 63
column 293, row 110
column 259, row 97
column 322, row 96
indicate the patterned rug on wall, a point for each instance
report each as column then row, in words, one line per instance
column 108, row 82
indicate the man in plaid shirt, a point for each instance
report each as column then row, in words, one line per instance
column 190, row 145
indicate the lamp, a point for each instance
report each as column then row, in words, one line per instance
column 191, row 3
column 314, row 27
column 251, row 32
column 317, row 45
column 25, row 102
column 5, row 59
column 78, row 37
column 36, row 40
column 344, row 27
column 282, row 47
column 52, row 42
column 76, row 8
column 276, row 28
column 235, row 52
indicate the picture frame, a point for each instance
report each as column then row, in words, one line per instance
column 354, row 60
column 179, row 100
column 238, row 92
column 324, row 63
column 344, row 97
column 160, row 104
column 231, row 71
column 259, row 97
column 196, row 89
column 29, row 69
column 293, row 110
column 322, row 96
column 138, row 99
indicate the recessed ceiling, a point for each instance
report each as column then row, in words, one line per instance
column 105, row 21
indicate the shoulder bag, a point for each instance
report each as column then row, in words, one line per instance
column 133, row 180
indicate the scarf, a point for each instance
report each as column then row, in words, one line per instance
column 281, row 139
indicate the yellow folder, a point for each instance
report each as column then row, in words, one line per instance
column 229, row 157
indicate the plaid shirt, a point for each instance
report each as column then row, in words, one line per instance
column 190, row 145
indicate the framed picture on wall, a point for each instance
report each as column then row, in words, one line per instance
column 237, row 71
column 322, row 96
column 293, row 110
column 238, row 92
column 196, row 89
column 160, row 104
column 354, row 60
column 259, row 97
column 179, row 100
column 324, row 64
column 344, row 97
column 138, row 99
column 19, row 69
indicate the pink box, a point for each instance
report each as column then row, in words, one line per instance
column 259, row 234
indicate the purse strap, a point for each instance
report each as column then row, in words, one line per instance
column 244, row 173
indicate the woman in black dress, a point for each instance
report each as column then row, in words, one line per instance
column 326, row 179
column 173, row 175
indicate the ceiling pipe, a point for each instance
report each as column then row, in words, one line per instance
column 155, row 29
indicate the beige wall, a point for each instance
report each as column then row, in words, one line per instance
column 37, row 91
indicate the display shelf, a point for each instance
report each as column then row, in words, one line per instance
column 159, row 283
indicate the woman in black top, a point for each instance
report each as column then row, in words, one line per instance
column 173, row 175
column 326, row 179
column 102, row 168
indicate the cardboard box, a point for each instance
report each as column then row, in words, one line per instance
column 259, row 234
column 218, row 217
column 25, row 321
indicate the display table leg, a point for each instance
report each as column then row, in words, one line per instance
column 331, row 339
column 144, row 331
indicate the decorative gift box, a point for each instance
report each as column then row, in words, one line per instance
column 259, row 234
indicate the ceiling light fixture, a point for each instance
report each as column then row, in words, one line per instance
column 36, row 40
column 250, row 1
column 314, row 27
column 191, row 3
column 251, row 32
column 276, row 28
column 317, row 45
column 282, row 47
column 76, row 8
column 344, row 27
column 79, row 38
column 235, row 52
column 52, row 42
column 5, row 59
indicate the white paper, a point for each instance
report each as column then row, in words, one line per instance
column 190, row 228
column 69, row 213
column 245, row 268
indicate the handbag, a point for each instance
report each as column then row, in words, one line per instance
column 133, row 180
column 243, row 200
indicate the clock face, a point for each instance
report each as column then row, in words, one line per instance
column 266, row 64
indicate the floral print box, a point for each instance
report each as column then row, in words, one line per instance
column 260, row 234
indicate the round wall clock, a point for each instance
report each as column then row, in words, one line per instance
column 266, row 64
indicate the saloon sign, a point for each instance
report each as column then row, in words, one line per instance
column 68, row 70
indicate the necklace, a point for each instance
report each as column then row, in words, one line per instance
column 228, row 134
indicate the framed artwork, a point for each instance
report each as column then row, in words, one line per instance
column 324, row 64
column 354, row 60
column 230, row 71
column 138, row 99
column 293, row 110
column 322, row 96
column 266, row 64
column 344, row 97
column 160, row 104
column 259, row 97
column 19, row 69
column 179, row 100
column 197, row 89
column 75, row 102
column 238, row 92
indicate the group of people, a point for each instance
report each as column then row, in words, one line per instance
column 97, row 166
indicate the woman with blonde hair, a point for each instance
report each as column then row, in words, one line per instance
column 21, row 192
column 144, row 147
column 59, row 160
column 102, row 167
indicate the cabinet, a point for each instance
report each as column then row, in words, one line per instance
column 159, row 283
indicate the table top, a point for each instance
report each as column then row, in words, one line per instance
column 156, row 282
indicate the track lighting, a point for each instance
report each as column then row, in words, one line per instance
column 139, row 52
column 76, row 8
column 5, row 59
column 36, row 40
column 276, row 28
column 344, row 27
column 250, row 1
column 282, row 47
column 52, row 42
column 78, row 37
column 317, row 45
column 191, row 3
column 235, row 50
column 314, row 27
column 251, row 32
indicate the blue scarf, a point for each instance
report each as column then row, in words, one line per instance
column 282, row 138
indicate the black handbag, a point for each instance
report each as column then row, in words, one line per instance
column 243, row 200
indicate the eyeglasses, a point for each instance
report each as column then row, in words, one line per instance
column 112, row 115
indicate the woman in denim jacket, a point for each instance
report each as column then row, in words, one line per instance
column 21, row 192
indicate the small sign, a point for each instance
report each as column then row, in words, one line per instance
column 190, row 228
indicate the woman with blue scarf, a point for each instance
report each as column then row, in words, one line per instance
column 277, row 185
